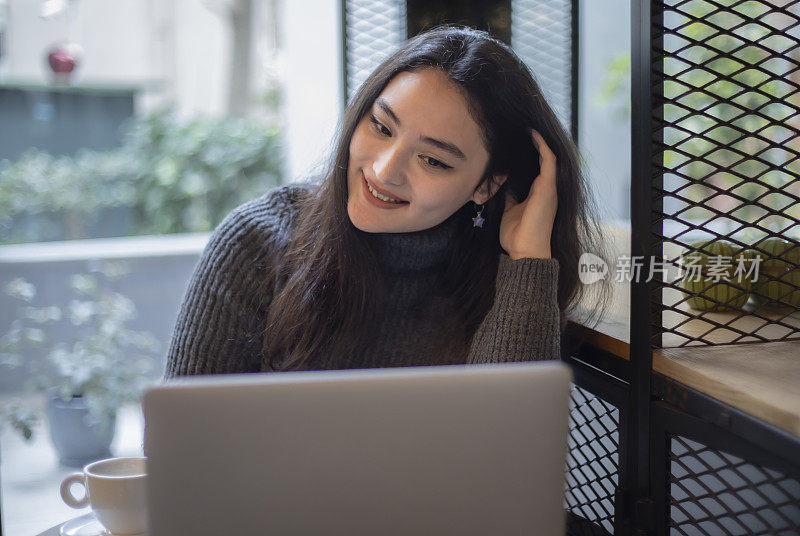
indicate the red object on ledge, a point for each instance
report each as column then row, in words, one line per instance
column 63, row 59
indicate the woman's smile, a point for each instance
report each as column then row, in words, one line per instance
column 381, row 197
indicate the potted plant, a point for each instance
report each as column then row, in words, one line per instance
column 85, row 379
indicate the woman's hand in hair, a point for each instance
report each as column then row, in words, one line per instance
column 526, row 227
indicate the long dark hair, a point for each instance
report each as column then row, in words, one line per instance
column 330, row 283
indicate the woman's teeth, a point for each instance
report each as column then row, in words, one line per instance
column 380, row 196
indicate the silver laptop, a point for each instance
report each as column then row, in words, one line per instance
column 463, row 450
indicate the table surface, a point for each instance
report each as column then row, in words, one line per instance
column 762, row 379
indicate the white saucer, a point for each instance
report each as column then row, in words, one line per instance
column 85, row 525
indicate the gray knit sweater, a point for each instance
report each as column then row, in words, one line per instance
column 221, row 323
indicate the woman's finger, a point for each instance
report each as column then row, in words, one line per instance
column 547, row 160
column 536, row 143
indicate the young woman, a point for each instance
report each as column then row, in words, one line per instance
column 447, row 229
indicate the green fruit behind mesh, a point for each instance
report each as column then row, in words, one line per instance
column 778, row 281
column 730, row 295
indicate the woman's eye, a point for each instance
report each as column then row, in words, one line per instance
column 435, row 163
column 382, row 129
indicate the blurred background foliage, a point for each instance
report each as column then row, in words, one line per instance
column 169, row 176
column 727, row 112
column 727, row 127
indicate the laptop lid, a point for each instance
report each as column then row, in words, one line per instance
column 463, row 449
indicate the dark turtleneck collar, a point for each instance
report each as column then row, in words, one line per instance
column 404, row 253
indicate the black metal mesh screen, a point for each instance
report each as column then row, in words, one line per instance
column 726, row 104
column 373, row 29
column 541, row 35
column 715, row 493
column 592, row 461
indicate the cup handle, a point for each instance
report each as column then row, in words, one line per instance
column 66, row 492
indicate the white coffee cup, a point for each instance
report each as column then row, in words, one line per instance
column 115, row 489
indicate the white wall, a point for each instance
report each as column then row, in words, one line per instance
column 179, row 51
column 172, row 50
column 114, row 35
column 310, row 43
column 201, row 59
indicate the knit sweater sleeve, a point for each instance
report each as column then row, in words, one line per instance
column 524, row 323
column 220, row 325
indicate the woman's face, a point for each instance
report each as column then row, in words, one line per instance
column 419, row 150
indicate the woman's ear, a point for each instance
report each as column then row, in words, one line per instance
column 489, row 188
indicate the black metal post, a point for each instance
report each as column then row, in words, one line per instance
column 659, row 463
column 644, row 181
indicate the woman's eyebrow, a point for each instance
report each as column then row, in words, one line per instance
column 443, row 145
column 383, row 105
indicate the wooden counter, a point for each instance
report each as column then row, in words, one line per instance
column 762, row 379
column 759, row 378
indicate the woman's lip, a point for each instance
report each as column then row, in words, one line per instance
column 382, row 192
column 372, row 200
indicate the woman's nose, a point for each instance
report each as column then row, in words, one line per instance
column 389, row 168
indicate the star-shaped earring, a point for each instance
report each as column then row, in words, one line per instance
column 478, row 220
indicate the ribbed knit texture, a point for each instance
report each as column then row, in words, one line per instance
column 220, row 325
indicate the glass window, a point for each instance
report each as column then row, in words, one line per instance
column 128, row 130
